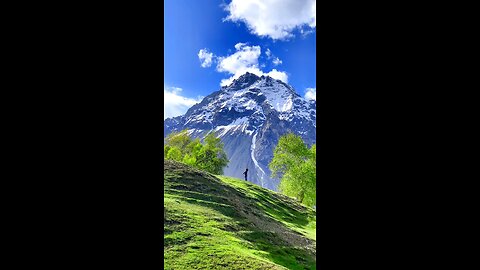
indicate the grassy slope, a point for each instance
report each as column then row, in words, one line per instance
column 218, row 222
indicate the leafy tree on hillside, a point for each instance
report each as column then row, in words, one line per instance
column 179, row 139
column 296, row 164
column 174, row 153
column 193, row 149
column 209, row 156
column 290, row 150
column 166, row 148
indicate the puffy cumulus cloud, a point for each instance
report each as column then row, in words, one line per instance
column 279, row 75
column 276, row 61
column 245, row 59
column 276, row 19
column 311, row 93
column 205, row 57
column 176, row 104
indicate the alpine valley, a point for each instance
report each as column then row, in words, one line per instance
column 249, row 116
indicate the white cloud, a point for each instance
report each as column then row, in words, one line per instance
column 311, row 93
column 276, row 61
column 245, row 59
column 175, row 104
column 268, row 53
column 205, row 57
column 239, row 45
column 276, row 19
column 279, row 75
column 239, row 73
column 306, row 32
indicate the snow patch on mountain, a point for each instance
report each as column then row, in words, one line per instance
column 280, row 100
column 239, row 124
column 252, row 153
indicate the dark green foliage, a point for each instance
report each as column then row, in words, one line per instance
column 209, row 156
column 296, row 164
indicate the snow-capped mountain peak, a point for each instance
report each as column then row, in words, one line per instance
column 250, row 93
column 249, row 115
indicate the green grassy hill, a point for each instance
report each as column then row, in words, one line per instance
column 218, row 222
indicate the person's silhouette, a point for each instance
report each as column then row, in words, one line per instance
column 245, row 173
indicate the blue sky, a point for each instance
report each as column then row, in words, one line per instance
column 208, row 43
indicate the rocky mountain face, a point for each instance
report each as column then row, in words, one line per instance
column 249, row 116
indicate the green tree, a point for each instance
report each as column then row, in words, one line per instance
column 211, row 157
column 289, row 151
column 166, row 148
column 193, row 150
column 179, row 139
column 296, row 165
column 189, row 159
column 174, row 153
column 194, row 147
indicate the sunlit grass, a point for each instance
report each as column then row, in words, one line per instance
column 224, row 223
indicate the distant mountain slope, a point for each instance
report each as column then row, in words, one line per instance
column 249, row 116
column 218, row 222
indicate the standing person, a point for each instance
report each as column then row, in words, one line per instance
column 245, row 173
